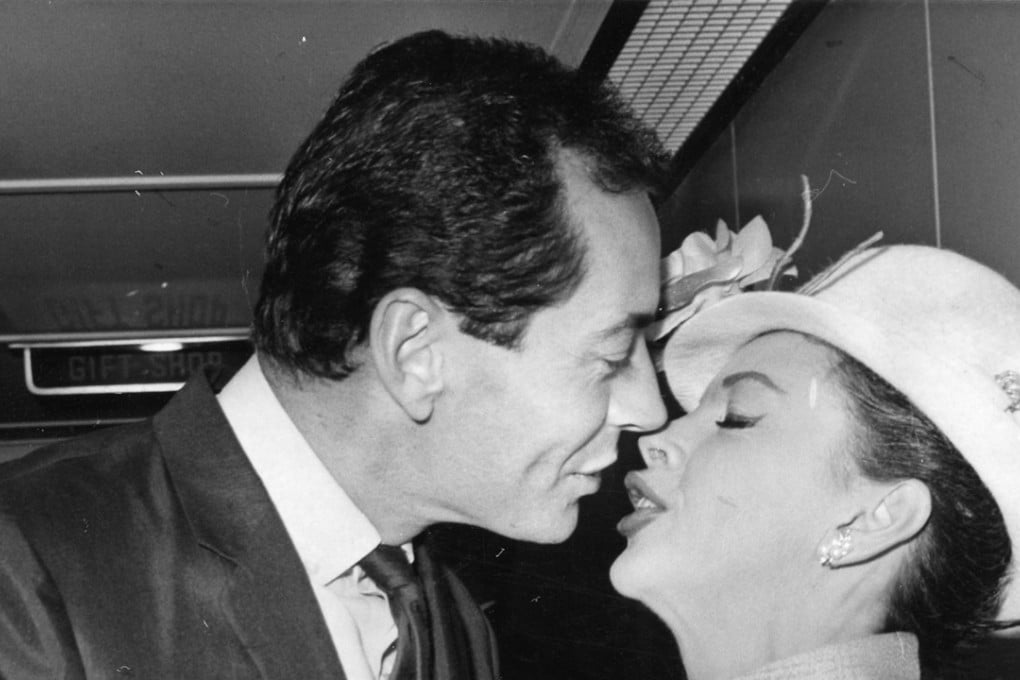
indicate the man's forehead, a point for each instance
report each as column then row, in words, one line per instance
column 582, row 335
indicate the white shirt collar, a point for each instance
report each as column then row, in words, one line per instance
column 329, row 533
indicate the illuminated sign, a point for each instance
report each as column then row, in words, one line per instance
column 128, row 367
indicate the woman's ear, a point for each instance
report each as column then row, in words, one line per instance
column 403, row 339
column 894, row 514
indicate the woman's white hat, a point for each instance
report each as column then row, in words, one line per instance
column 941, row 328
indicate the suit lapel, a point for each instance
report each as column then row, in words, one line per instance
column 266, row 594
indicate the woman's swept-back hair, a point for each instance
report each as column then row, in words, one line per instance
column 951, row 587
column 436, row 167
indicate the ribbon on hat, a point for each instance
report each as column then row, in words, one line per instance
column 702, row 271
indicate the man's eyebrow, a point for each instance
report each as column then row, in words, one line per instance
column 633, row 322
column 761, row 378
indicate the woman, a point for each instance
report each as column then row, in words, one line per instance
column 842, row 496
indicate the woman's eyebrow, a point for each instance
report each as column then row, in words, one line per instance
column 760, row 378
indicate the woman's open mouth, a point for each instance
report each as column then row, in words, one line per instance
column 647, row 505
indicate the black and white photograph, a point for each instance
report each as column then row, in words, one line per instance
column 509, row 339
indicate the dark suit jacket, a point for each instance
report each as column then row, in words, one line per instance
column 153, row 551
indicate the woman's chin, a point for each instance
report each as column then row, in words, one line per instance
column 625, row 574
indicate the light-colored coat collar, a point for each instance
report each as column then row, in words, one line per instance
column 892, row 656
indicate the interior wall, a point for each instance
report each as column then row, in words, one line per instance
column 904, row 117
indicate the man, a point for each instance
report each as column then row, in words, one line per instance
column 460, row 263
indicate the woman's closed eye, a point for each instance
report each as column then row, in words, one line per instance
column 737, row 421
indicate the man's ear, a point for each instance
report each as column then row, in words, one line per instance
column 894, row 514
column 405, row 327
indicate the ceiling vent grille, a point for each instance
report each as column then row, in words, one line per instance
column 682, row 54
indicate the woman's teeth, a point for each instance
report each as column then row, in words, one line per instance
column 642, row 502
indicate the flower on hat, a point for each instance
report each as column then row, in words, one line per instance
column 702, row 271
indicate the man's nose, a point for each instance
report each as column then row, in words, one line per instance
column 635, row 404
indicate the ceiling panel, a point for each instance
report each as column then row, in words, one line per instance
column 153, row 89
column 107, row 88
column 682, row 55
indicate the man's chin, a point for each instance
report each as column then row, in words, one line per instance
column 545, row 529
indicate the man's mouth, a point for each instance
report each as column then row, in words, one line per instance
column 594, row 468
column 589, row 481
column 647, row 505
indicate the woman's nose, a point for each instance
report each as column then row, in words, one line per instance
column 658, row 453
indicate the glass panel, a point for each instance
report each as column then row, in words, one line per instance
column 125, row 261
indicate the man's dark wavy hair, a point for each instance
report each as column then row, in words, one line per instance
column 436, row 168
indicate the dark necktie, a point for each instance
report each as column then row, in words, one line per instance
column 389, row 568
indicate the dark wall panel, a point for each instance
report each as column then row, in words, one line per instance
column 848, row 107
column 976, row 78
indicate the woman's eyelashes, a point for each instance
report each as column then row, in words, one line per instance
column 737, row 421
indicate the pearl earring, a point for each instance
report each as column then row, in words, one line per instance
column 838, row 548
